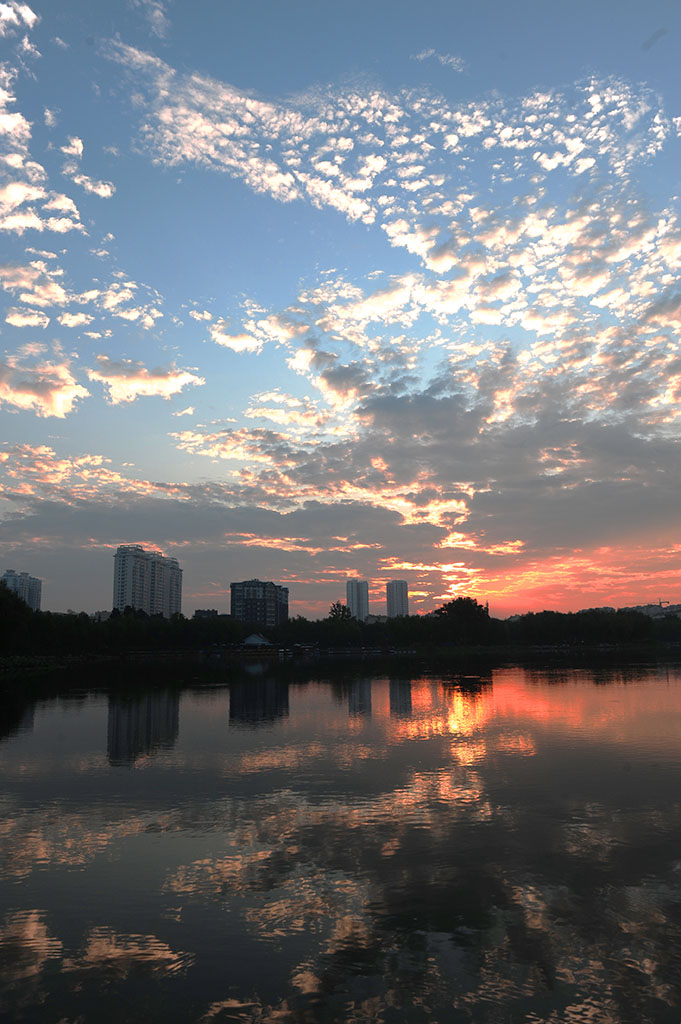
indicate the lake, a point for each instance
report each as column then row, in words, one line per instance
column 503, row 847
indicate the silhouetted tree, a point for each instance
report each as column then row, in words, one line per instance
column 463, row 620
column 338, row 610
column 15, row 622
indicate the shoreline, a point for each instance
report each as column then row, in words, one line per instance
column 24, row 666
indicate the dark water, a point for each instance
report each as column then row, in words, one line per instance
column 499, row 849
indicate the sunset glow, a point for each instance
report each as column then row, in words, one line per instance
column 301, row 298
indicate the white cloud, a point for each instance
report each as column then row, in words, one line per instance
column 103, row 189
column 75, row 319
column 155, row 12
column 26, row 318
column 27, row 49
column 16, row 193
column 58, row 201
column 73, row 147
column 392, row 159
column 24, row 199
column 117, row 300
column 45, row 292
column 60, row 225
column 446, row 59
column 47, row 388
column 16, row 15
column 126, row 380
column 20, row 221
column 237, row 342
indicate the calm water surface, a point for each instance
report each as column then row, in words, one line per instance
column 493, row 849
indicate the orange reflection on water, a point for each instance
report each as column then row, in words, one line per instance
column 635, row 707
column 514, row 703
column 442, row 710
column 515, row 697
column 26, row 944
column 468, row 753
column 511, row 743
column 56, row 836
column 106, row 948
column 288, row 758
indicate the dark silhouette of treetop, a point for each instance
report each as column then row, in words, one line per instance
column 339, row 611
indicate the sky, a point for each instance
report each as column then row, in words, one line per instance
column 303, row 291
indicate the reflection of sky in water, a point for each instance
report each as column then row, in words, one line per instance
column 492, row 848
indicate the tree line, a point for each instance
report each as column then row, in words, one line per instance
column 461, row 622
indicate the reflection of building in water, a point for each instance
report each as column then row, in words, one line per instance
column 15, row 718
column 400, row 698
column 140, row 726
column 359, row 697
column 257, row 701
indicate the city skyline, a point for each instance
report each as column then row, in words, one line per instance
column 358, row 595
column 142, row 581
column 308, row 293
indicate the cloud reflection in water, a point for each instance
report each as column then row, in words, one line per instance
column 368, row 849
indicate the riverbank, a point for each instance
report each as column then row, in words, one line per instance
column 56, row 672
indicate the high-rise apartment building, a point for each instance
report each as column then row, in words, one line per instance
column 147, row 581
column 28, row 588
column 357, row 597
column 260, row 603
column 397, row 598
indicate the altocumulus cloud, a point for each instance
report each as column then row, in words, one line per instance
column 499, row 413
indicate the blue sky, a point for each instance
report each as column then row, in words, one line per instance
column 303, row 291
